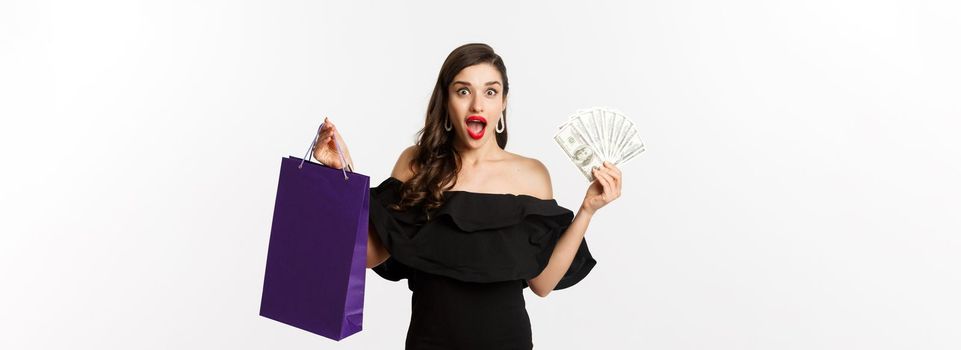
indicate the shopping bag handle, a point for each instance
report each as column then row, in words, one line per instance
column 313, row 144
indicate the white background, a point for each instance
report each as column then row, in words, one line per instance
column 800, row 188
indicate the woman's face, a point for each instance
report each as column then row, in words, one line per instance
column 476, row 103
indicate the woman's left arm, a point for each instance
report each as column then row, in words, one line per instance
column 605, row 189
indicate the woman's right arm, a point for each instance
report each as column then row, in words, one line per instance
column 376, row 252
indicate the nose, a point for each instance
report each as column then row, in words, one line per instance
column 477, row 105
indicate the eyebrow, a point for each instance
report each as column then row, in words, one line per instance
column 468, row 84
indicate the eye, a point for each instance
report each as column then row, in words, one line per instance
column 491, row 92
column 463, row 91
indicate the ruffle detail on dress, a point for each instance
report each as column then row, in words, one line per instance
column 473, row 237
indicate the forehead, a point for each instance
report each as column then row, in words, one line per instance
column 479, row 74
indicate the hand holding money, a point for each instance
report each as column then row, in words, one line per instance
column 592, row 136
column 606, row 189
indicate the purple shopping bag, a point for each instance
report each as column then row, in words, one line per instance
column 317, row 255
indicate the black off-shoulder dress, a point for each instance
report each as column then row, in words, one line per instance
column 468, row 264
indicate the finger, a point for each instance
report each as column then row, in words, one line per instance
column 335, row 135
column 615, row 178
column 615, row 189
column 329, row 130
column 616, row 175
column 606, row 175
column 613, row 168
column 604, row 179
column 619, row 183
column 613, row 173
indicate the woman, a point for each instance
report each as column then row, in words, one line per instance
column 469, row 224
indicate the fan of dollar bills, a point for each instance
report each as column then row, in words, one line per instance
column 592, row 136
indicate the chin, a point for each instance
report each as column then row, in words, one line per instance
column 470, row 142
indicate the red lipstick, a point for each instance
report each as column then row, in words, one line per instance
column 476, row 126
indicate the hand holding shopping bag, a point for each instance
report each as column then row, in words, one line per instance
column 316, row 258
column 331, row 148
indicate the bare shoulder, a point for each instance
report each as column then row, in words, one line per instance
column 532, row 177
column 402, row 169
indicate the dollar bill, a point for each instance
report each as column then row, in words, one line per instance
column 619, row 131
column 591, row 136
column 578, row 150
column 633, row 148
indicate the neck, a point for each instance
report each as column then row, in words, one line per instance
column 473, row 156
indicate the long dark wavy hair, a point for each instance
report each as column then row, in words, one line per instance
column 436, row 163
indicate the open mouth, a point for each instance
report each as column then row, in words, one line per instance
column 476, row 126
